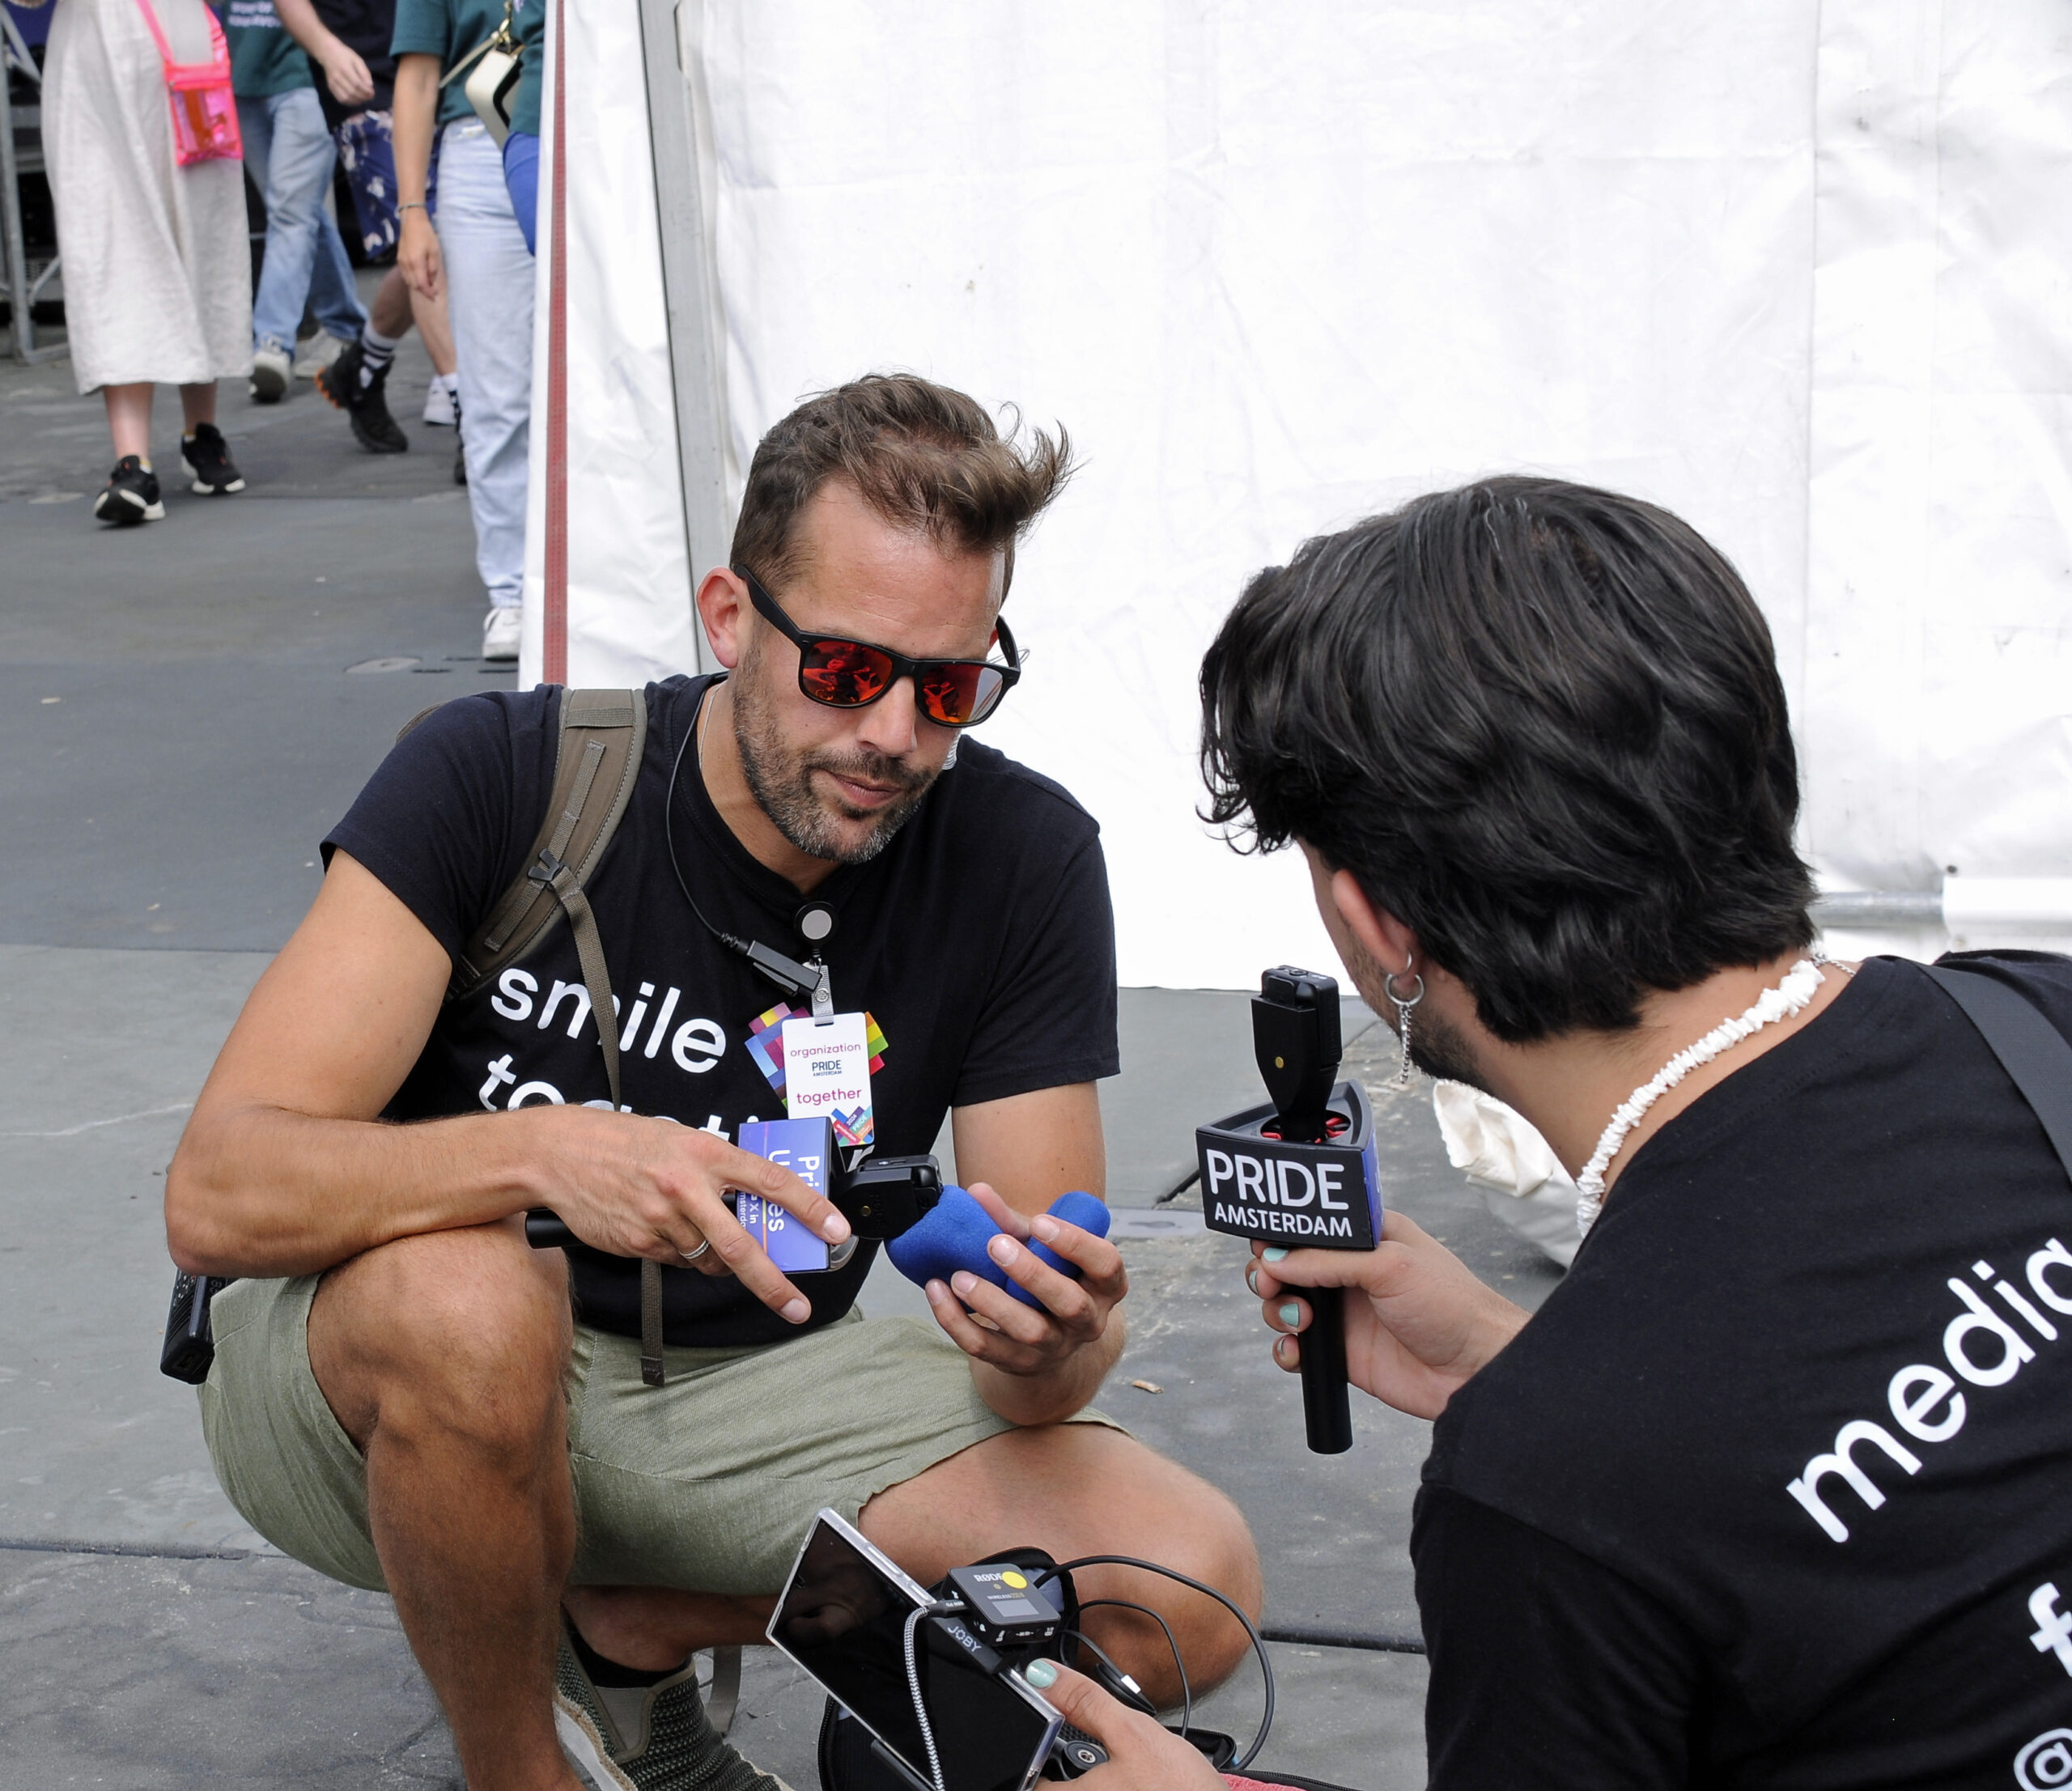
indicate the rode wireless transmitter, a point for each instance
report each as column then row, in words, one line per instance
column 1301, row 1171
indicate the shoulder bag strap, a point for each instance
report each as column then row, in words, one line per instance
column 597, row 761
column 596, row 764
column 2036, row 1056
column 157, row 32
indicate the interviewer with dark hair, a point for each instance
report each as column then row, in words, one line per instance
column 1776, row 1489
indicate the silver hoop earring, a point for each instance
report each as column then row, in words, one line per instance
column 1403, row 1004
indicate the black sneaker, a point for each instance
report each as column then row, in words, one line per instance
column 207, row 455
column 132, row 495
column 365, row 402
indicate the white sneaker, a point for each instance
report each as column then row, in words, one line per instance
column 442, row 409
column 318, row 354
column 500, row 629
column 271, row 374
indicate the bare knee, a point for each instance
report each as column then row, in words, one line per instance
column 465, row 1330
column 1182, row 1523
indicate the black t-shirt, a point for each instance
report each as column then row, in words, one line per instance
column 366, row 26
column 981, row 940
column 1621, row 1585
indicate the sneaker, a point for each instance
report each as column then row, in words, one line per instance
column 315, row 353
column 649, row 1737
column 271, row 371
column 365, row 403
column 500, row 631
column 442, row 409
column 207, row 455
column 132, row 495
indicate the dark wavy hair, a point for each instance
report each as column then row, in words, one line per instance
column 1543, row 726
column 924, row 457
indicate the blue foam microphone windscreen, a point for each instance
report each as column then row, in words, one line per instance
column 955, row 1236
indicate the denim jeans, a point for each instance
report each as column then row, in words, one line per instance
column 489, row 299
column 288, row 149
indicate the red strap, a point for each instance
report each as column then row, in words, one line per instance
column 218, row 48
column 157, row 32
column 555, row 628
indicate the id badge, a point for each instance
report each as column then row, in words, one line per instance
column 827, row 1075
column 800, row 1146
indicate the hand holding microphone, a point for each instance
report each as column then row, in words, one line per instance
column 1301, row 1171
column 1417, row 1324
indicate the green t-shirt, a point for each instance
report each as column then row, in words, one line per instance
column 447, row 29
column 529, row 25
column 263, row 58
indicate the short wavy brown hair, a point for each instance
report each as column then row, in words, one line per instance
column 921, row 455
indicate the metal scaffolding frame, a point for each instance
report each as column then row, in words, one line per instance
column 20, row 286
column 672, row 36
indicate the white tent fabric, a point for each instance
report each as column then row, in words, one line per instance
column 1798, row 270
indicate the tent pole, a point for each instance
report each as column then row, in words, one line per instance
column 671, row 35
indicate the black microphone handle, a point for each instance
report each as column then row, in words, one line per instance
column 1327, row 1409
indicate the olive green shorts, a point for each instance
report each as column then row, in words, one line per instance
column 709, row 1483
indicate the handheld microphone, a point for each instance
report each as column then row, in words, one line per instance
column 1301, row 1171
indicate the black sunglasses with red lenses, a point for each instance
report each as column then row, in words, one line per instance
column 850, row 674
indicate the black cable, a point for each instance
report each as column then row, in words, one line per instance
column 669, row 833
column 1179, row 1665
column 793, row 978
column 1309, row 1637
column 1251, row 1630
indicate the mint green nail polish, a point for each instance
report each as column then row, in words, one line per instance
column 1291, row 1314
column 1276, row 1254
column 1042, row 1674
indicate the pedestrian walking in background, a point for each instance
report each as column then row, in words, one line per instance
column 152, row 226
column 477, row 255
column 349, row 40
column 291, row 157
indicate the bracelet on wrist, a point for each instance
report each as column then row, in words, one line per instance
column 413, row 205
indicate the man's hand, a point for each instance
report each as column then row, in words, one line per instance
column 344, row 71
column 1418, row 1324
column 651, row 1188
column 1142, row 1755
column 1031, row 1340
column 417, row 254
column 345, row 74
column 1036, row 1365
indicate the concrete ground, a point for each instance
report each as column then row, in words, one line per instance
column 180, row 718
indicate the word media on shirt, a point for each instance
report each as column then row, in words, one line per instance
column 1983, row 1348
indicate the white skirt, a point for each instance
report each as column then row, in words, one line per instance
column 157, row 260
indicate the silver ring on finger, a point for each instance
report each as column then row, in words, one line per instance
column 704, row 1244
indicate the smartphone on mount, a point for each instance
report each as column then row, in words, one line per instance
column 842, row 1618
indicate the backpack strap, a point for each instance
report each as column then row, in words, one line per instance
column 598, row 754
column 597, row 760
column 2034, row 1054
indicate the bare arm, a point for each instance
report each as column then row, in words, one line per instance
column 344, row 70
column 284, row 1167
column 1036, row 1365
column 416, row 115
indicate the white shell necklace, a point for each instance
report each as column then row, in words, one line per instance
column 1790, row 996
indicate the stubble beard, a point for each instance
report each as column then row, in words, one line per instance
column 780, row 779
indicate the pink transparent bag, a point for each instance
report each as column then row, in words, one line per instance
column 204, row 108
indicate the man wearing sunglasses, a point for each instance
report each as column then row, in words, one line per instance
column 400, row 1397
